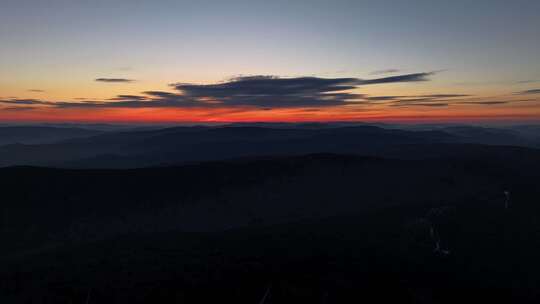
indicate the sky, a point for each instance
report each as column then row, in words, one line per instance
column 304, row 60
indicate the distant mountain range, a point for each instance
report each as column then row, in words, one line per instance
column 81, row 148
column 42, row 135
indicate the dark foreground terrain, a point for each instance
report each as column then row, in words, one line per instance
column 320, row 228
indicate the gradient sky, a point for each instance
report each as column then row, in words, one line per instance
column 104, row 60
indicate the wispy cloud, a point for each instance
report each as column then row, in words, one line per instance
column 17, row 109
column 114, row 80
column 421, row 104
column 29, row 101
column 528, row 81
column 384, row 98
column 439, row 100
column 386, row 71
column 400, row 78
column 36, row 91
column 429, row 100
column 489, row 102
column 126, row 97
column 444, row 95
column 527, row 92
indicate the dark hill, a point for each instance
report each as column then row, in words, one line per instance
column 185, row 144
column 42, row 134
column 180, row 145
column 324, row 227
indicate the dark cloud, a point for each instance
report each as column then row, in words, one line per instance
column 271, row 91
column 527, row 92
column 429, row 100
column 494, row 102
column 36, row 91
column 268, row 86
column 247, row 91
column 414, row 97
column 384, row 98
column 421, row 101
column 17, row 109
column 29, row 101
column 126, row 97
column 421, row 104
column 400, row 78
column 162, row 94
column 441, row 100
column 136, row 101
column 19, row 101
column 114, row 80
column 387, row 71
column 445, row 95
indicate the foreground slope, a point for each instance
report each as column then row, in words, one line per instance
column 314, row 228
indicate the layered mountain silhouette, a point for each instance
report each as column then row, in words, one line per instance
column 42, row 134
column 134, row 149
column 288, row 214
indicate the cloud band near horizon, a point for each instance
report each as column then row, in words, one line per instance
column 269, row 92
column 247, row 91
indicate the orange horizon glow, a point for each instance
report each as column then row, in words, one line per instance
column 515, row 108
column 232, row 115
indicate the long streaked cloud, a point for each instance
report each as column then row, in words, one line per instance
column 384, row 98
column 429, row 100
column 159, row 99
column 386, row 71
column 528, row 81
column 26, row 101
column 415, row 97
column 444, row 95
column 440, row 100
column 421, row 104
column 114, row 80
column 487, row 102
column 400, row 78
column 18, row 109
column 125, row 97
column 528, row 92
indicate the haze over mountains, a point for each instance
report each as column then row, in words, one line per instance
column 69, row 147
column 42, row 134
